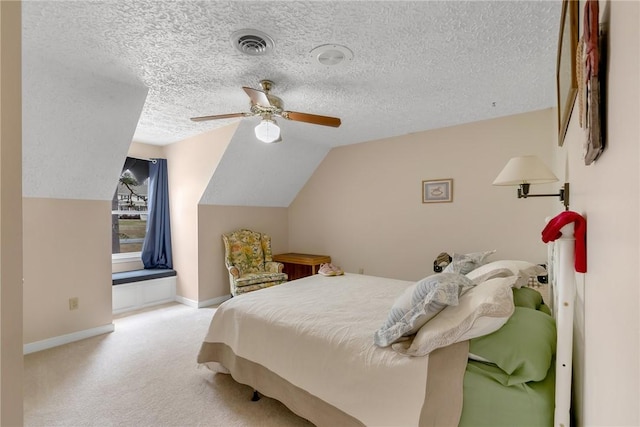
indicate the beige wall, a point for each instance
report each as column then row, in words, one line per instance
column 196, row 229
column 213, row 221
column 191, row 164
column 11, row 389
column 607, row 337
column 67, row 243
column 67, row 253
column 363, row 205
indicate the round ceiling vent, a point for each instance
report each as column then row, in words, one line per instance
column 330, row 55
column 252, row 42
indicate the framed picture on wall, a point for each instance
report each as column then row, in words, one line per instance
column 566, row 82
column 437, row 191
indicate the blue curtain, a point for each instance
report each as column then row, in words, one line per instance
column 156, row 249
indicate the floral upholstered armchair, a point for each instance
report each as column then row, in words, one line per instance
column 248, row 259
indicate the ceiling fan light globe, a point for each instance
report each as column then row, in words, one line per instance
column 267, row 131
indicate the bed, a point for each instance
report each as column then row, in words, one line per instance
column 310, row 344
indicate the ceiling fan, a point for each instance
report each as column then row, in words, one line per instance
column 268, row 106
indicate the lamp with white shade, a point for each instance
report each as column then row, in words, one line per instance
column 526, row 170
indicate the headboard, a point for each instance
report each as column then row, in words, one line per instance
column 562, row 284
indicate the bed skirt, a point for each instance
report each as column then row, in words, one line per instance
column 443, row 394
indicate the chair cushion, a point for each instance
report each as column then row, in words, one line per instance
column 250, row 288
column 254, row 278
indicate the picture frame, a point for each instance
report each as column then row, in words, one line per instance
column 592, row 92
column 437, row 191
column 566, row 82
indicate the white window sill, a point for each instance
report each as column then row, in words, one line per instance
column 126, row 257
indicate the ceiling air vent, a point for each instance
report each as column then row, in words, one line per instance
column 252, row 42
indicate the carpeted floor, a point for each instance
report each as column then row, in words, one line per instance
column 143, row 374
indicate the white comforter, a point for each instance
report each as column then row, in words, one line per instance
column 317, row 333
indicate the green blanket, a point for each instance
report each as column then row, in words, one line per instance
column 489, row 403
column 512, row 381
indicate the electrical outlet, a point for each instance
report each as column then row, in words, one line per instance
column 73, row 303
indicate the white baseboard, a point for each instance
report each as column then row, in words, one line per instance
column 160, row 298
column 202, row 304
column 66, row 339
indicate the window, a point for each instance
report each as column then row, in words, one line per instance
column 130, row 208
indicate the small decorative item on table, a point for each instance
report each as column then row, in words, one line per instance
column 298, row 265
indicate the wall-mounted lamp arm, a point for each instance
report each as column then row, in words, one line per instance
column 523, row 193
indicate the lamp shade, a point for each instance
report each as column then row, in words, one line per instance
column 525, row 170
column 268, row 131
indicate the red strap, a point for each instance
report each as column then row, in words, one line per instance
column 552, row 232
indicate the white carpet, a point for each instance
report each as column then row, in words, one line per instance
column 143, row 374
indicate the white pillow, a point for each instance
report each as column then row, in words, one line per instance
column 419, row 303
column 464, row 263
column 523, row 270
column 480, row 311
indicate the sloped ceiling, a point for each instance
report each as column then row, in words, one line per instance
column 77, row 128
column 277, row 172
column 416, row 66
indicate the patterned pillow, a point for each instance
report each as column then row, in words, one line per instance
column 480, row 311
column 464, row 263
column 418, row 304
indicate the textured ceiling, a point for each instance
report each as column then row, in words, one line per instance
column 416, row 65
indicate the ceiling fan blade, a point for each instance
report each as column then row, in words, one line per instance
column 312, row 118
column 258, row 97
column 219, row 116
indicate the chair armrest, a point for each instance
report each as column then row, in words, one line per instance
column 273, row 267
column 234, row 271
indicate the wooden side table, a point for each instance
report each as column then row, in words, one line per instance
column 301, row 265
